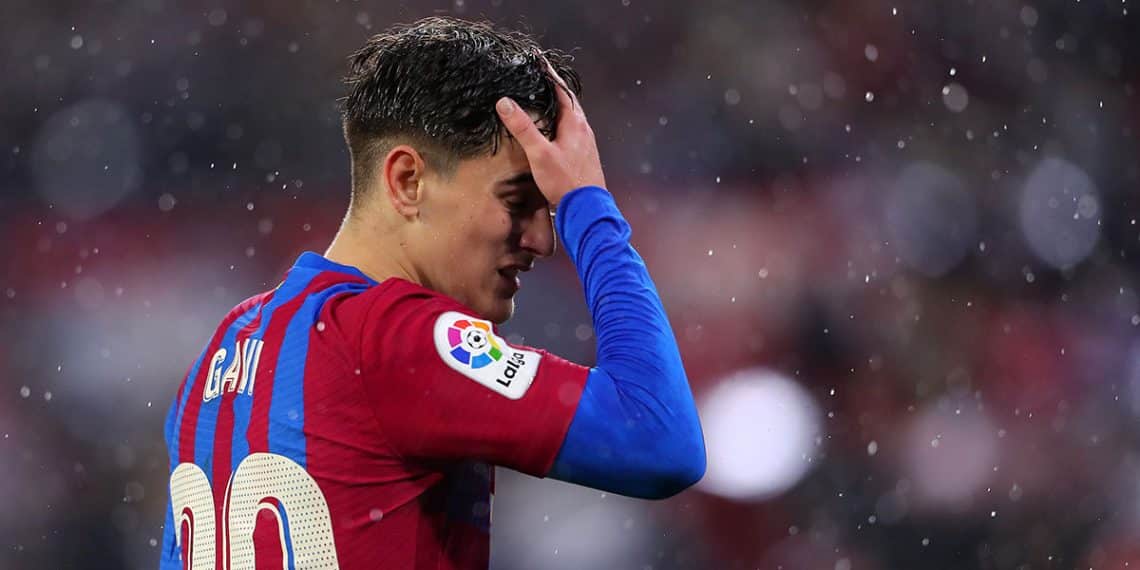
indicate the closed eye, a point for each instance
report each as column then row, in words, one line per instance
column 523, row 201
column 517, row 208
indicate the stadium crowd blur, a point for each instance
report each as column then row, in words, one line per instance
column 897, row 242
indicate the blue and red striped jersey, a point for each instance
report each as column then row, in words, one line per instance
column 338, row 422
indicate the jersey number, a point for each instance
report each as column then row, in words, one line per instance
column 263, row 483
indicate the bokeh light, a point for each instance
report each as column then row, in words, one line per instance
column 760, row 431
column 86, row 158
column 931, row 218
column 951, row 453
column 1060, row 212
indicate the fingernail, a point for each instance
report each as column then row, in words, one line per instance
column 505, row 106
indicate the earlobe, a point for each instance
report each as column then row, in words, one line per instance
column 403, row 177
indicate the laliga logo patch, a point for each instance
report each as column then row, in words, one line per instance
column 472, row 343
column 469, row 346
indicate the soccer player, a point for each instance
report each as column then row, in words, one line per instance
column 350, row 417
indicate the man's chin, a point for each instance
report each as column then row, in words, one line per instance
column 501, row 312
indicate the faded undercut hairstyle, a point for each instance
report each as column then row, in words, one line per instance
column 433, row 84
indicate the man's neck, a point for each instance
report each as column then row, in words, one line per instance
column 375, row 253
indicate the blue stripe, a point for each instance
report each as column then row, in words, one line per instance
column 174, row 418
column 208, row 413
column 317, row 262
column 243, row 404
column 291, row 560
column 287, row 406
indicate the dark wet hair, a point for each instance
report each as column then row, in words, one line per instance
column 434, row 83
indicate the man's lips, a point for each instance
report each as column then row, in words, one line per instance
column 515, row 268
column 511, row 272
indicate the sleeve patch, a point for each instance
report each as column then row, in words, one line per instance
column 471, row 347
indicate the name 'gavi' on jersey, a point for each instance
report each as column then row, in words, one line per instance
column 241, row 373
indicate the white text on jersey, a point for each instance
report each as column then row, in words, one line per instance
column 239, row 375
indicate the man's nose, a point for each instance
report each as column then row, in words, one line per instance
column 538, row 234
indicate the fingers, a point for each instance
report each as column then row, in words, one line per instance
column 565, row 95
column 568, row 107
column 520, row 125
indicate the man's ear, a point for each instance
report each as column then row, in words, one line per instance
column 404, row 170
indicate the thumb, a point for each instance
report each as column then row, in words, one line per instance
column 520, row 125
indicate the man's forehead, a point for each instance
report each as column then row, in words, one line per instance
column 510, row 156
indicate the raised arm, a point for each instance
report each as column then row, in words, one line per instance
column 636, row 430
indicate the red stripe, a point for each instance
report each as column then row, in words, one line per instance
column 223, row 431
column 258, row 433
column 194, row 404
column 267, row 540
column 187, row 531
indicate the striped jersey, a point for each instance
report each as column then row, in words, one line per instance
column 338, row 422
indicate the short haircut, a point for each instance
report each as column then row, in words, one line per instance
column 433, row 84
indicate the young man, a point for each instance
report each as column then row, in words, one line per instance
column 350, row 417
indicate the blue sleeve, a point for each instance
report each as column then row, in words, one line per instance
column 636, row 430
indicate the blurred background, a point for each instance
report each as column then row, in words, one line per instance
column 897, row 241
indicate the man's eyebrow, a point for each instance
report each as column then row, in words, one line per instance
column 518, row 180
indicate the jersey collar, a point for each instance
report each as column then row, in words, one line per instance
column 315, row 261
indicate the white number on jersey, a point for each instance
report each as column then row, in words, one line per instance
column 262, row 482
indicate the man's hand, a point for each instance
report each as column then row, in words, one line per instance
column 566, row 163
